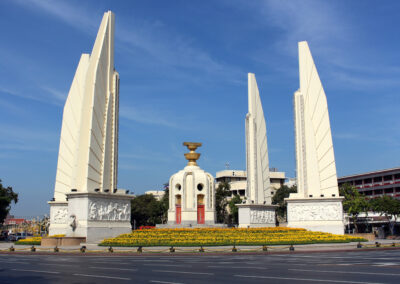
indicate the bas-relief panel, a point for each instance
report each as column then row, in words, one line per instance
column 109, row 211
column 60, row 215
column 261, row 216
column 317, row 212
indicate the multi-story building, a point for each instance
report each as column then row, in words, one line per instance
column 238, row 180
column 376, row 183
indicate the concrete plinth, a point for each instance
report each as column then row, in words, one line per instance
column 97, row 216
column 316, row 214
column 62, row 241
column 58, row 218
column 256, row 215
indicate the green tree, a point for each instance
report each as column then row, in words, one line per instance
column 7, row 195
column 354, row 202
column 146, row 210
column 221, row 202
column 165, row 204
column 234, row 210
column 389, row 207
column 279, row 199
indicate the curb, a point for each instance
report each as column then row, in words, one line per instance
column 146, row 254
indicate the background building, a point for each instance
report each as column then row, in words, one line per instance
column 158, row 194
column 238, row 180
column 376, row 183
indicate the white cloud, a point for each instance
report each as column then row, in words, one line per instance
column 149, row 116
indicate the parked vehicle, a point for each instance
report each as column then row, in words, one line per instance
column 17, row 236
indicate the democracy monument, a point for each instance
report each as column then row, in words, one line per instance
column 316, row 205
column 256, row 210
column 191, row 194
column 88, row 206
column 87, row 203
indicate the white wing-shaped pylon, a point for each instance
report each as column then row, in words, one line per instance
column 258, row 177
column 315, row 159
column 88, row 153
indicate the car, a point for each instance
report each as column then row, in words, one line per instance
column 17, row 236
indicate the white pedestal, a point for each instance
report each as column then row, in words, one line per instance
column 58, row 218
column 95, row 216
column 256, row 215
column 98, row 216
column 316, row 214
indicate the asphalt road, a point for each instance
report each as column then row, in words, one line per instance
column 344, row 267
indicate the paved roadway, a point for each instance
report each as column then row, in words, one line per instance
column 345, row 267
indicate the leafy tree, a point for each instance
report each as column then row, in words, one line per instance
column 387, row 206
column 354, row 202
column 165, row 204
column 279, row 199
column 7, row 195
column 146, row 210
column 221, row 202
column 234, row 210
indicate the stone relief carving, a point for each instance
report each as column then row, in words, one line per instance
column 60, row 215
column 108, row 211
column 262, row 217
column 318, row 212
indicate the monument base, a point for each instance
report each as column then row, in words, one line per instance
column 58, row 218
column 97, row 216
column 256, row 215
column 316, row 214
column 94, row 216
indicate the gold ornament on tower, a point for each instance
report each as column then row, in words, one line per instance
column 192, row 156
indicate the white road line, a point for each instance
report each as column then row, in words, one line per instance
column 164, row 282
column 57, row 264
column 174, row 265
column 101, row 276
column 184, row 272
column 114, row 268
column 14, row 262
column 240, row 267
column 38, row 271
column 305, row 279
column 349, row 272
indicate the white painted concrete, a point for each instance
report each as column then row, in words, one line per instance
column 315, row 160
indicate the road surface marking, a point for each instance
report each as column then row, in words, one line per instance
column 239, row 267
column 184, row 272
column 164, row 282
column 114, row 268
column 39, row 271
column 305, row 279
column 349, row 272
column 101, row 276
column 174, row 265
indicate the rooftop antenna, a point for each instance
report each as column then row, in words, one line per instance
column 227, row 165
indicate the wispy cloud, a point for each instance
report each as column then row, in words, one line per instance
column 314, row 21
column 151, row 37
column 149, row 115
column 51, row 96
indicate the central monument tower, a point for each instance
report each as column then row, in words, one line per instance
column 191, row 194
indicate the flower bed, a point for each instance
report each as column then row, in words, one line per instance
column 35, row 240
column 29, row 241
column 225, row 237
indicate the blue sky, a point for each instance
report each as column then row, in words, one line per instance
column 183, row 68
